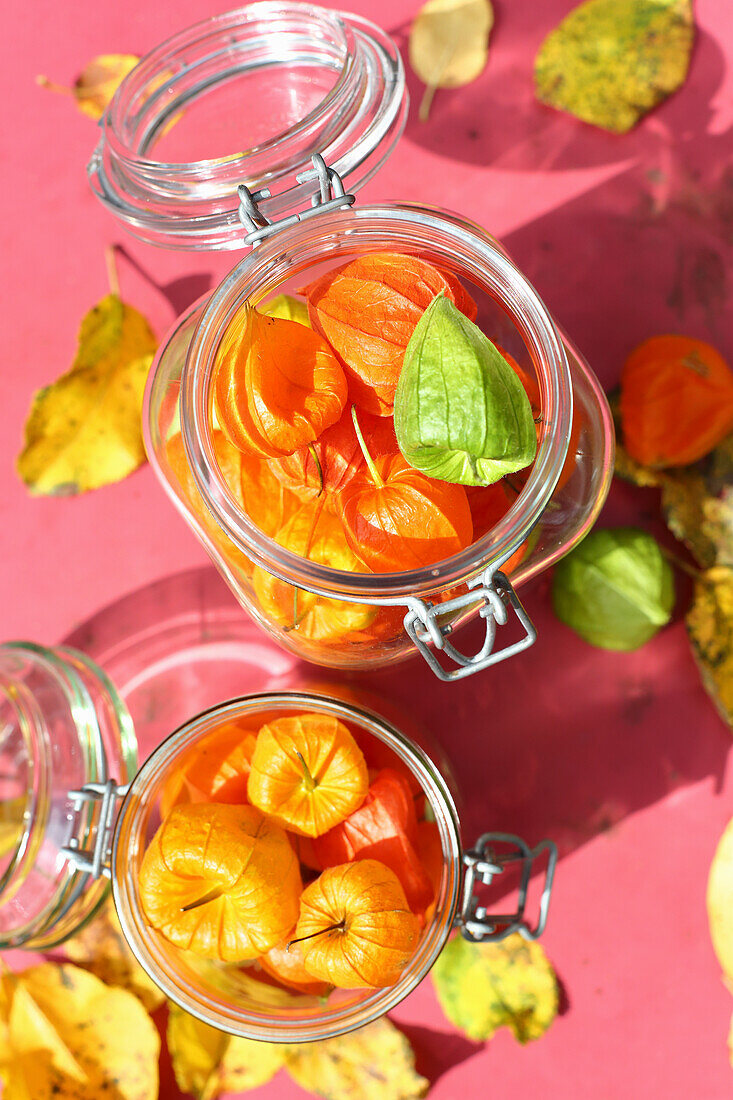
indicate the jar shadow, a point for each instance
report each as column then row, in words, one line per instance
column 563, row 742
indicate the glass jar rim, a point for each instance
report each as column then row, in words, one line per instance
column 194, row 205
column 253, row 278
column 126, row 838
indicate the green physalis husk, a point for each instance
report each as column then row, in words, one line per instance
column 616, row 589
column 461, row 413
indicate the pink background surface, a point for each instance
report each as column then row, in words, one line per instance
column 620, row 758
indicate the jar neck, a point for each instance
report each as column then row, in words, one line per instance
column 203, row 998
column 443, row 238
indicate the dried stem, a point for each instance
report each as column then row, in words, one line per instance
column 52, row 86
column 113, row 278
column 310, row 782
column 365, row 451
column 671, row 557
column 211, row 895
column 316, row 459
column 322, row 931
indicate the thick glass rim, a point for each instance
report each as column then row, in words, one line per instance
column 411, row 227
column 194, row 205
column 128, row 836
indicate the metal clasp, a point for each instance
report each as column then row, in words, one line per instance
column 95, row 861
column 481, row 865
column 330, row 196
column 497, row 596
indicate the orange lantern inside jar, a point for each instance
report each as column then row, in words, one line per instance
column 280, row 995
column 314, row 595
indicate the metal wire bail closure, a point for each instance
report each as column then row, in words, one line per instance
column 330, row 196
column 481, row 865
column 95, row 861
column 497, row 595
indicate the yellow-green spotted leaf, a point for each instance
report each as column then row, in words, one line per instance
column 710, row 627
column 84, row 430
column 611, row 61
column 697, row 502
column 482, row 987
column 374, row 1063
column 67, row 1036
column 208, row 1062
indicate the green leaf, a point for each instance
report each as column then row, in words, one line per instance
column 611, row 61
column 482, row 987
column 461, row 413
column 616, row 589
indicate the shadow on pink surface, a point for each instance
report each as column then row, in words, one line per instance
column 497, row 122
column 563, row 741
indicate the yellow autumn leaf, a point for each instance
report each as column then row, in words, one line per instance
column 449, row 44
column 710, row 628
column 482, row 987
column 102, row 948
column 84, row 430
column 720, row 901
column 288, row 307
column 610, row 61
column 70, row 1037
column 374, row 1063
column 96, row 83
column 207, row 1062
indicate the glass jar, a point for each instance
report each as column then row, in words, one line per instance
column 74, row 815
column 241, row 999
column 372, row 619
column 63, row 727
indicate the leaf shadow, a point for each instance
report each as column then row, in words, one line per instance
column 181, row 292
column 436, row 1052
column 495, row 121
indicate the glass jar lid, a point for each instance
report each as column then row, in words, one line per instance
column 246, row 97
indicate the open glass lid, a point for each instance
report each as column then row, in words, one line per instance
column 247, row 97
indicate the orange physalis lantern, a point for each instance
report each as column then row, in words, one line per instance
column 368, row 310
column 286, row 966
column 355, row 929
column 221, row 881
column 329, row 464
column 228, row 459
column 277, row 385
column 316, row 534
column 265, row 500
column 430, row 854
column 307, row 772
column 396, row 518
column 217, row 770
column 676, row 401
column 383, row 828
